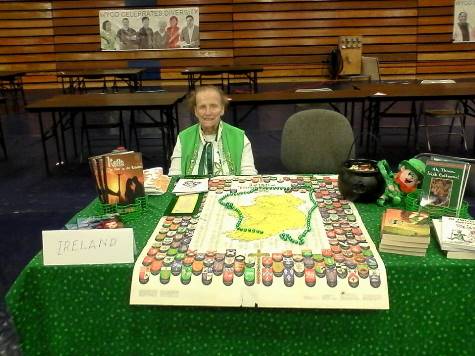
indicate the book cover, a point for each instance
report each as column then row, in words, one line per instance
column 407, row 240
column 107, row 221
column 405, row 244
column 95, row 164
column 458, row 234
column 444, row 184
column 123, row 179
column 191, row 186
column 402, row 252
column 408, row 224
column 461, row 255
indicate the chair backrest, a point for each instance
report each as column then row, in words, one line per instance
column 316, row 141
column 370, row 67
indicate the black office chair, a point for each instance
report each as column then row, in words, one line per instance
column 316, row 141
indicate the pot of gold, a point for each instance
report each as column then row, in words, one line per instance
column 360, row 180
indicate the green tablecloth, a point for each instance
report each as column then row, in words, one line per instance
column 85, row 310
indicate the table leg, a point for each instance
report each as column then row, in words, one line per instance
column 191, row 82
column 20, row 88
column 43, row 142
column 62, row 85
column 177, row 122
column 167, row 133
column 134, row 127
column 414, row 120
column 114, row 85
column 122, row 139
column 363, row 119
column 82, row 84
column 57, row 125
column 2, row 141
column 135, row 83
column 352, row 118
column 373, row 125
column 256, row 88
column 71, row 85
column 73, row 132
column 171, row 133
column 104, row 85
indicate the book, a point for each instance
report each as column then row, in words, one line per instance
column 106, row 221
column 155, row 182
column 405, row 232
column 96, row 166
column 437, row 225
column 444, row 184
column 452, row 252
column 402, row 252
column 191, row 186
column 402, row 240
column 457, row 234
column 412, row 245
column 410, row 225
column 123, row 179
column 461, row 255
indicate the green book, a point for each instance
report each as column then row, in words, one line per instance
column 444, row 184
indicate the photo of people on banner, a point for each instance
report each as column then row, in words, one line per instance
column 149, row 29
column 464, row 21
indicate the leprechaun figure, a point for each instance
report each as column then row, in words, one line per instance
column 409, row 176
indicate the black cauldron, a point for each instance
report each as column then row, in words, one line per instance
column 360, row 180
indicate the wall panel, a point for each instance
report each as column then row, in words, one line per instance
column 437, row 56
column 290, row 38
column 303, row 33
column 27, row 40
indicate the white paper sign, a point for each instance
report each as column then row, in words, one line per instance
column 82, row 247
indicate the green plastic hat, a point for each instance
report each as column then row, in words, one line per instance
column 415, row 165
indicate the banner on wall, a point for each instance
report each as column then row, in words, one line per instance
column 149, row 29
column 464, row 21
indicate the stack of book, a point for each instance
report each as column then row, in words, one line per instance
column 405, row 232
column 456, row 236
column 118, row 176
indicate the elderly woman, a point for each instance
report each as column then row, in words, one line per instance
column 211, row 147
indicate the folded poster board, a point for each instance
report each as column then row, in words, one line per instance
column 149, row 29
column 265, row 241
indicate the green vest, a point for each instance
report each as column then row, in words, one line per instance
column 233, row 145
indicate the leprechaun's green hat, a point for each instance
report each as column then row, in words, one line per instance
column 415, row 165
